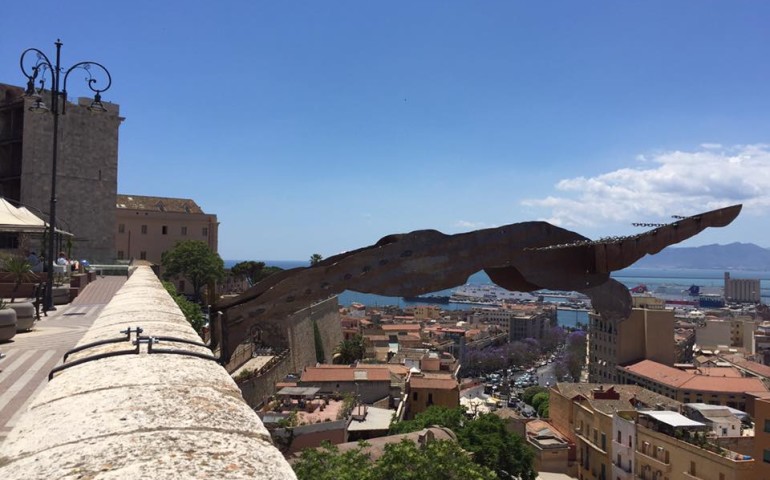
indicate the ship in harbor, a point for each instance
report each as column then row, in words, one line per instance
column 436, row 299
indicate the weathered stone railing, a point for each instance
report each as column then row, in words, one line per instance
column 141, row 415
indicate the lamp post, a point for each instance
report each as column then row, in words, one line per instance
column 36, row 71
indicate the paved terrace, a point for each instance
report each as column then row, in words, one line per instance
column 31, row 355
column 133, row 416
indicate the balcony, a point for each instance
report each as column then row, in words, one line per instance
column 690, row 476
column 590, row 443
column 622, row 449
column 622, row 473
column 656, row 463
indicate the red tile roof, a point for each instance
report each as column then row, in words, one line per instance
column 401, row 327
column 345, row 373
column 443, row 382
column 687, row 380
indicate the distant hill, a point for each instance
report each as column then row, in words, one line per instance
column 734, row 256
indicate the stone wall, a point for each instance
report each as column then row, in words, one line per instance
column 86, row 176
column 141, row 415
column 296, row 334
column 257, row 390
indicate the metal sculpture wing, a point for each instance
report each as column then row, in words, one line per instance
column 523, row 257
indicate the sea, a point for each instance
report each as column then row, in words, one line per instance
column 672, row 282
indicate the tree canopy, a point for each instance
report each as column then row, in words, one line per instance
column 193, row 260
column 438, row 460
column 492, row 445
column 253, row 271
column 315, row 259
column 350, row 350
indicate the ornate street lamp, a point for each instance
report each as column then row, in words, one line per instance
column 36, row 71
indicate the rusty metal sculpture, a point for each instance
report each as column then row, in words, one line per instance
column 523, row 257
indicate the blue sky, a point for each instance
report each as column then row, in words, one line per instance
column 321, row 126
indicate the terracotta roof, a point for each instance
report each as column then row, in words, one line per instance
column 157, row 204
column 442, row 382
column 375, row 447
column 627, row 393
column 401, row 327
column 675, row 378
column 753, row 367
column 344, row 373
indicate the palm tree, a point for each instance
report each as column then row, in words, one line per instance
column 315, row 259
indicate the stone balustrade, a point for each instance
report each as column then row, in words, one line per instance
column 141, row 415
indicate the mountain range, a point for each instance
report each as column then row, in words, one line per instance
column 733, row 256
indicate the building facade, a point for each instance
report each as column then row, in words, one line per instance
column 648, row 333
column 86, row 170
column 744, row 290
column 148, row 226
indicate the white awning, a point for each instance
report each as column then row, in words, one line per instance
column 21, row 220
column 673, row 419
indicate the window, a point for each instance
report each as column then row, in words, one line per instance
column 767, row 426
column 143, row 255
column 120, row 254
column 692, row 468
column 430, row 399
column 164, row 230
column 414, row 396
column 766, row 456
column 604, row 441
column 144, row 229
column 184, row 230
column 122, row 228
column 205, row 231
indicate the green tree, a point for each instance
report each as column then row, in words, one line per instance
column 315, row 259
column 438, row 460
column 320, row 355
column 327, row 463
column 350, row 350
column 191, row 310
column 529, row 393
column 451, row 418
column 540, row 403
column 193, row 260
column 494, row 447
column 253, row 271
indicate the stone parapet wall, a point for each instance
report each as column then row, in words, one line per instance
column 141, row 415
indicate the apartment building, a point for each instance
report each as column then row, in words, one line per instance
column 629, row 433
column 86, row 170
column 148, row 226
column 584, row 413
column 715, row 386
column 648, row 333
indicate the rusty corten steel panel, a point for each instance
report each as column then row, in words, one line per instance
column 523, row 257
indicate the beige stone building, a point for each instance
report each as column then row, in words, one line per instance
column 87, row 168
column 629, row 433
column 145, row 227
column 648, row 333
column 716, row 386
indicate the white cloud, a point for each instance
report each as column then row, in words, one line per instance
column 469, row 225
column 711, row 146
column 668, row 183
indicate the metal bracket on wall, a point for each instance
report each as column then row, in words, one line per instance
column 140, row 339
